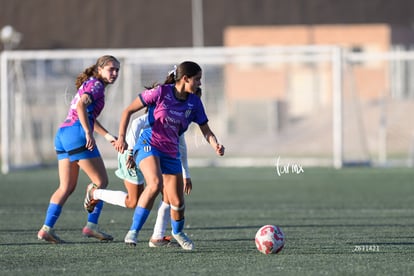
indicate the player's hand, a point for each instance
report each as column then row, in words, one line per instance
column 188, row 186
column 220, row 149
column 90, row 142
column 120, row 145
column 130, row 162
column 113, row 142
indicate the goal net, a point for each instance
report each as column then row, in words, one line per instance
column 305, row 104
column 378, row 94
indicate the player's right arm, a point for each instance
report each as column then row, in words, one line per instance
column 137, row 104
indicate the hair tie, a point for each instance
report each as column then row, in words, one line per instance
column 173, row 71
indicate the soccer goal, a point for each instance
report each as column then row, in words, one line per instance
column 378, row 101
column 264, row 103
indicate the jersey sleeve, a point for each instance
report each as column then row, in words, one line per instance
column 150, row 96
column 94, row 88
column 200, row 115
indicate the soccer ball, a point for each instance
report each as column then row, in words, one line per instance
column 270, row 239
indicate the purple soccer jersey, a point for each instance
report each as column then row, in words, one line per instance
column 169, row 117
column 96, row 89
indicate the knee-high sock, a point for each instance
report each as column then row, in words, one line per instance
column 111, row 197
column 139, row 218
column 94, row 216
column 52, row 214
column 163, row 217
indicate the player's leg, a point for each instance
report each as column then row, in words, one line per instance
column 174, row 188
column 150, row 168
column 134, row 192
column 95, row 170
column 127, row 199
column 158, row 237
column 68, row 175
column 133, row 181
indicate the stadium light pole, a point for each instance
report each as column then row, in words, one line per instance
column 197, row 23
column 10, row 37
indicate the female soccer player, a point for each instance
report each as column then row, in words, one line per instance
column 134, row 183
column 76, row 147
column 134, row 180
column 172, row 107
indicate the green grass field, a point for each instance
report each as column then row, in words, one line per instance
column 356, row 221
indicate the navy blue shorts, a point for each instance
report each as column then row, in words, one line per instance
column 70, row 143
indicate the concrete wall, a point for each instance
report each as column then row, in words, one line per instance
column 369, row 80
column 55, row 24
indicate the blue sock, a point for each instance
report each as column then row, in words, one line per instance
column 177, row 225
column 52, row 214
column 94, row 216
column 140, row 216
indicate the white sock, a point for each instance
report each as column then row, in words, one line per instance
column 163, row 218
column 111, row 197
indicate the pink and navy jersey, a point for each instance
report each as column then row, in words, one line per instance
column 169, row 117
column 96, row 89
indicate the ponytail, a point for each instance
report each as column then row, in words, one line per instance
column 186, row 68
column 92, row 71
column 86, row 74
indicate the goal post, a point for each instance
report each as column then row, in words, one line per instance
column 337, row 106
column 264, row 103
column 5, row 163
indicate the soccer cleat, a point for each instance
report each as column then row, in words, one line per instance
column 48, row 234
column 90, row 203
column 165, row 241
column 131, row 238
column 184, row 241
column 94, row 232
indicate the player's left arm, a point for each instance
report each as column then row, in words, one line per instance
column 212, row 139
column 188, row 185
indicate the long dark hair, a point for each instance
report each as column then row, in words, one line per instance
column 92, row 71
column 186, row 68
